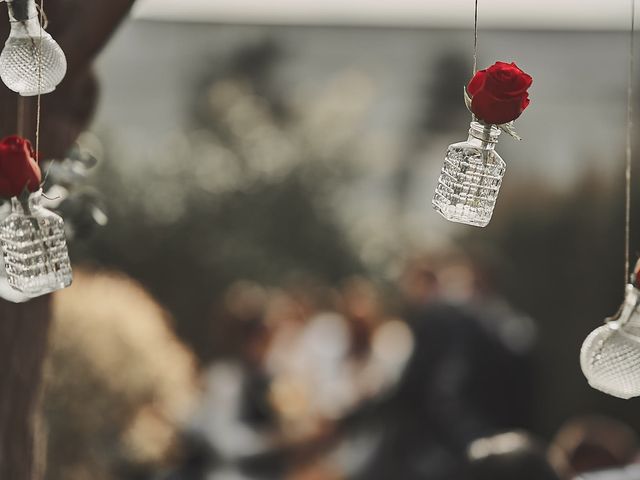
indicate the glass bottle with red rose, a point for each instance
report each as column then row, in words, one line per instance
column 470, row 179
column 34, row 247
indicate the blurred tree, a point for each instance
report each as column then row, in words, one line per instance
column 119, row 386
column 246, row 193
column 256, row 63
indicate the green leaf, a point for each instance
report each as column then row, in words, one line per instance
column 467, row 99
column 509, row 129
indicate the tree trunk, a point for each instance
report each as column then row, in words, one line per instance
column 23, row 344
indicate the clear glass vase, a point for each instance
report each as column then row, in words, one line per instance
column 470, row 179
column 31, row 61
column 34, row 248
column 610, row 355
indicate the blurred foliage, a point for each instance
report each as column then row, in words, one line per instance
column 249, row 192
column 119, row 384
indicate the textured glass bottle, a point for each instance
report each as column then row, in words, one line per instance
column 610, row 355
column 34, row 248
column 470, row 179
column 20, row 67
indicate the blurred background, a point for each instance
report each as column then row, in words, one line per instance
column 273, row 296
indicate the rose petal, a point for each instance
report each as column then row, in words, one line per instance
column 477, row 82
column 507, row 80
column 18, row 168
column 496, row 111
column 500, row 86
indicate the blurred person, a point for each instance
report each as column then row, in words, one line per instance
column 235, row 415
column 473, row 279
column 310, row 357
column 322, row 352
column 509, row 456
column 349, row 354
column 630, row 472
column 257, row 409
column 329, row 362
column 361, row 307
column 514, row 331
column 517, row 331
column 380, row 344
column 315, row 471
column 314, row 386
column 241, row 305
column 591, row 443
column 304, row 344
column 458, row 386
column 287, row 313
column 419, row 284
column 348, row 360
column 119, row 384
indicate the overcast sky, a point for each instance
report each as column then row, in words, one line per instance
column 553, row 14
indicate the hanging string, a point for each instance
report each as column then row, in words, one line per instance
column 20, row 115
column 627, row 208
column 475, row 54
column 475, row 38
column 42, row 19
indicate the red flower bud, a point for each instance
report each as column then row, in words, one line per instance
column 18, row 167
column 499, row 93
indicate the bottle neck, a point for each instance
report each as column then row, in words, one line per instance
column 628, row 313
column 22, row 10
column 483, row 136
column 24, row 20
column 25, row 204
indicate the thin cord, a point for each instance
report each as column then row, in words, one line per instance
column 39, row 81
column 43, row 21
column 43, row 18
column 20, row 115
column 627, row 209
column 475, row 38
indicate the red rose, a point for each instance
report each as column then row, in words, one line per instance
column 18, row 167
column 499, row 93
column 636, row 275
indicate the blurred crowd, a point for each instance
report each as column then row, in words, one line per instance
column 429, row 376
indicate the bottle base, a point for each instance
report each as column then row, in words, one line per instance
column 33, row 93
column 41, row 285
column 614, row 392
column 462, row 214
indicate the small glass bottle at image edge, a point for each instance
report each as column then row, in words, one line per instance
column 470, row 179
column 610, row 355
column 34, row 248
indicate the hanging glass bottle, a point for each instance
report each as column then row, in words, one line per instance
column 470, row 179
column 31, row 62
column 610, row 355
column 34, row 247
